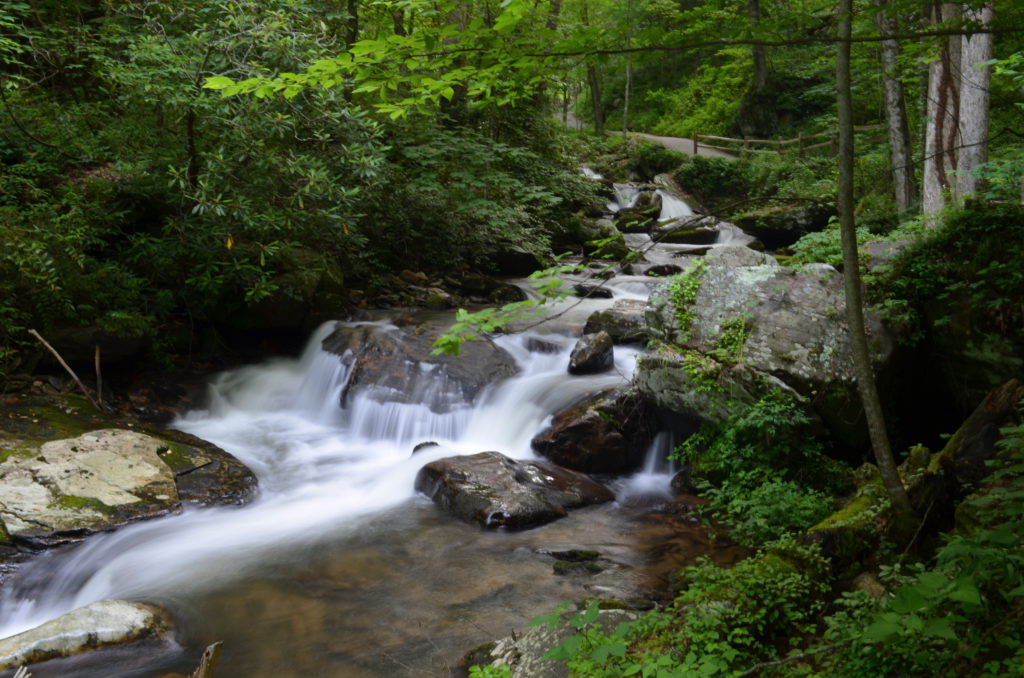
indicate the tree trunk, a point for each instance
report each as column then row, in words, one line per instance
column 943, row 104
column 974, row 98
column 760, row 53
column 625, row 99
column 901, row 160
column 352, row 23
column 595, row 97
column 903, row 513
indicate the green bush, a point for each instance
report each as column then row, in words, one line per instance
column 763, row 472
column 724, row 619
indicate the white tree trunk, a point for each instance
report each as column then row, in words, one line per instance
column 904, row 188
column 974, row 100
column 943, row 103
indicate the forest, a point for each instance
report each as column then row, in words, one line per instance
column 191, row 186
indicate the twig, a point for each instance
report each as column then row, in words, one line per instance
column 22, row 672
column 756, row 668
column 208, row 663
column 67, row 367
column 99, row 379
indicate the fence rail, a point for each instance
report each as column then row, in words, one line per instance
column 747, row 146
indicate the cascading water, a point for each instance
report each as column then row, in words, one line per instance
column 331, row 481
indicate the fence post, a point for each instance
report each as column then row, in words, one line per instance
column 835, row 144
column 746, row 146
column 800, row 143
column 696, row 146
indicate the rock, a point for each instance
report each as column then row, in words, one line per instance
column 609, row 242
column 379, row 360
column 493, row 490
column 204, row 474
column 90, row 483
column 752, row 325
column 935, row 483
column 691, row 230
column 624, row 322
column 662, row 270
column 593, row 353
column 782, row 225
column 524, row 652
column 57, row 491
column 592, row 291
column 515, row 260
column 609, row 433
column 106, row 622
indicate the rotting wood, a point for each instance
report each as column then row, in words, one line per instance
column 208, row 662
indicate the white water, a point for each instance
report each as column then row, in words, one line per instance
column 322, row 472
column 672, row 207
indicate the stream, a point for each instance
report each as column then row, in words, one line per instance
column 338, row 568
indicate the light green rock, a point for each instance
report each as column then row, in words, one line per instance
column 106, row 622
column 94, row 481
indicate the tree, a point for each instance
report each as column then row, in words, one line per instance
column 851, row 271
column 974, row 101
column 943, row 105
column 900, row 153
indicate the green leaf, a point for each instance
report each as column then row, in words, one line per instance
column 881, row 631
column 218, row 82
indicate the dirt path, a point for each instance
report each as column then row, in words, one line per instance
column 677, row 144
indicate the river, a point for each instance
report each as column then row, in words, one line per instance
column 338, row 567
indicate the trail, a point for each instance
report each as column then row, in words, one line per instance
column 678, row 144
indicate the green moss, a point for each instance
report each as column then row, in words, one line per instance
column 75, row 503
column 5, row 538
column 567, row 567
column 180, row 457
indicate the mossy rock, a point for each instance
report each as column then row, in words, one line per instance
column 847, row 534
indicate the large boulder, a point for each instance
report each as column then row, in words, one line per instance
column 782, row 225
column 783, row 328
column 609, row 433
column 380, row 361
column 493, row 490
column 99, row 624
column 624, row 321
column 57, row 491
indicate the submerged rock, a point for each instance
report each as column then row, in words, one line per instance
column 493, row 490
column 103, row 623
column 398, row 365
column 609, row 433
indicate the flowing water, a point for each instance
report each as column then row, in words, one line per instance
column 337, row 567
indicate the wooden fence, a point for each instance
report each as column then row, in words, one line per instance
column 745, row 147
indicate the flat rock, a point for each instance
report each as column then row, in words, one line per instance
column 106, row 622
column 92, row 482
column 493, row 490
